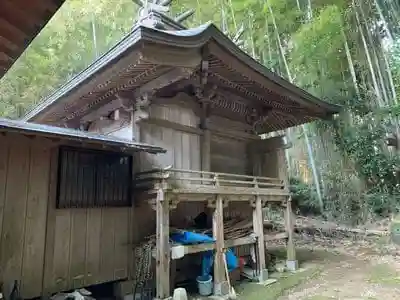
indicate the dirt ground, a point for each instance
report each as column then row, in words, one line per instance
column 344, row 268
column 350, row 279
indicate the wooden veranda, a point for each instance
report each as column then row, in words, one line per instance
column 165, row 188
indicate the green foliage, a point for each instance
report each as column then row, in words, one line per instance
column 365, row 145
column 304, row 197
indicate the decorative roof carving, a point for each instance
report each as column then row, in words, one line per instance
column 153, row 13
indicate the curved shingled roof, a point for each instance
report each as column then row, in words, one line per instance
column 146, row 53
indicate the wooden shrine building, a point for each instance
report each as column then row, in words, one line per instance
column 196, row 94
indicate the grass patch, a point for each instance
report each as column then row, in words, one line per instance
column 253, row 291
column 384, row 274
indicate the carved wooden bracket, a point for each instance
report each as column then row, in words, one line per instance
column 258, row 116
column 204, row 72
column 211, row 203
column 253, row 200
column 162, row 184
column 205, row 95
column 173, row 202
column 141, row 107
column 264, row 203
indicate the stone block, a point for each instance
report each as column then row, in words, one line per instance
column 292, row 265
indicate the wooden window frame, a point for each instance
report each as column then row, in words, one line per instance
column 108, row 184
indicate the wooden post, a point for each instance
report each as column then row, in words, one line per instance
column 291, row 252
column 206, row 137
column 291, row 262
column 163, row 248
column 258, row 215
column 258, row 228
column 205, row 150
column 218, row 235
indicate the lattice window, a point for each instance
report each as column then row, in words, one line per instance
column 88, row 178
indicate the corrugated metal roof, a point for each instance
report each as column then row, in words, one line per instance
column 22, row 127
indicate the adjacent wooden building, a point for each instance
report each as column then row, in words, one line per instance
column 200, row 97
column 65, row 207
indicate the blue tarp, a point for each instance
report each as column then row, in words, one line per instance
column 189, row 238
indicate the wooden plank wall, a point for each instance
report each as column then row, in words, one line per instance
column 84, row 246
column 87, row 246
column 228, row 155
column 270, row 164
column 183, row 149
column 46, row 249
column 24, row 173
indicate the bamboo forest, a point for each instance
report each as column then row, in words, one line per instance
column 346, row 52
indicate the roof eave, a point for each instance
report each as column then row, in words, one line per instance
column 103, row 62
column 75, row 135
column 195, row 38
column 43, row 14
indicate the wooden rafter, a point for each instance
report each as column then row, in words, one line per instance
column 122, row 86
column 11, row 33
column 5, row 44
column 166, row 78
column 234, row 88
column 5, row 58
column 20, row 22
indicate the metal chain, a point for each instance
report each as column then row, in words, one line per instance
column 147, row 253
column 143, row 260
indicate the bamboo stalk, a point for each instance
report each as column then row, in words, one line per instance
column 304, row 127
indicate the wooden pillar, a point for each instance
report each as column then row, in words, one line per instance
column 205, row 150
column 291, row 262
column 258, row 228
column 163, row 252
column 135, row 123
column 206, row 137
column 258, row 214
column 291, row 252
column 218, row 234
